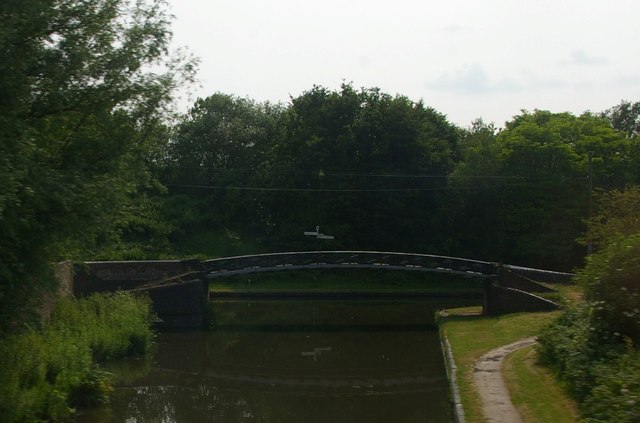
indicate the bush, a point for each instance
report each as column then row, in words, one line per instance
column 616, row 394
column 611, row 282
column 45, row 373
column 114, row 325
column 571, row 346
column 600, row 370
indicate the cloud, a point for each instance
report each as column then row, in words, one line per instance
column 452, row 29
column 582, row 58
column 473, row 79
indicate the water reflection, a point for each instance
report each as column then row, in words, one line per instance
column 326, row 362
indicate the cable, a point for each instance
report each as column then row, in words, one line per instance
column 345, row 190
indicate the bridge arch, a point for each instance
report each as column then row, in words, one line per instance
column 270, row 262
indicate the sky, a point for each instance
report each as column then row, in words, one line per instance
column 467, row 59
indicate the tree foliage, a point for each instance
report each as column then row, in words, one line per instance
column 359, row 163
column 524, row 189
column 625, row 117
column 617, row 216
column 214, row 152
column 78, row 107
column 611, row 282
column 383, row 172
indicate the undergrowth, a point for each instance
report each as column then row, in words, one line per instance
column 45, row 374
column 600, row 368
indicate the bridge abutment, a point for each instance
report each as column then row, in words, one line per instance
column 177, row 289
column 509, row 292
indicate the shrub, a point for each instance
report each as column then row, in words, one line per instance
column 616, row 394
column 600, row 370
column 45, row 373
column 611, row 282
column 114, row 325
column 571, row 346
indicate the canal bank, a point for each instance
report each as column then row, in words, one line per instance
column 468, row 336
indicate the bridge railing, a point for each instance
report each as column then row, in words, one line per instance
column 540, row 275
column 310, row 259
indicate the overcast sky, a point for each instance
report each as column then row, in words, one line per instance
column 465, row 58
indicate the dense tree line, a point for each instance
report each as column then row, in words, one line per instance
column 386, row 173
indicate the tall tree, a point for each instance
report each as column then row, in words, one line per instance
column 616, row 216
column 359, row 163
column 625, row 117
column 215, row 152
column 78, row 104
column 537, row 185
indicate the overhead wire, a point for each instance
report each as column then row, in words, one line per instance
column 525, row 183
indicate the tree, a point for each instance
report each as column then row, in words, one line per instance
column 78, row 108
column 214, row 152
column 530, row 184
column 625, row 117
column 475, row 195
column 617, row 216
column 360, row 163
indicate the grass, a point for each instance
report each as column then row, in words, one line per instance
column 535, row 391
column 471, row 335
column 46, row 373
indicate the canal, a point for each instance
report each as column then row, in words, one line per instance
column 292, row 361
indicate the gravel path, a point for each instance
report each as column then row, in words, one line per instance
column 496, row 402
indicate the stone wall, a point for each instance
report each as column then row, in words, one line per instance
column 179, row 305
column 510, row 279
column 503, row 300
column 178, row 294
column 109, row 276
column 64, row 275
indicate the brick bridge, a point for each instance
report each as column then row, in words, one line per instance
column 179, row 288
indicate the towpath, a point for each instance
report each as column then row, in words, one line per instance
column 496, row 402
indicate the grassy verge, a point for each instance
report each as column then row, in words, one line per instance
column 535, row 391
column 471, row 335
column 45, row 374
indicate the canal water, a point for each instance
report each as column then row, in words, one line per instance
column 291, row 361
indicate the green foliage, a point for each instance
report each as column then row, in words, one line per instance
column 215, row 151
column 524, row 191
column 78, row 108
column 617, row 216
column 599, row 370
column 357, row 164
column 593, row 346
column 371, row 169
column 114, row 325
column 615, row 396
column 572, row 345
column 611, row 282
column 625, row 117
column 343, row 158
column 45, row 374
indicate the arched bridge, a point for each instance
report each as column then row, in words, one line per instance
column 179, row 288
column 238, row 265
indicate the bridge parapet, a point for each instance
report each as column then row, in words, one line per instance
column 344, row 259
